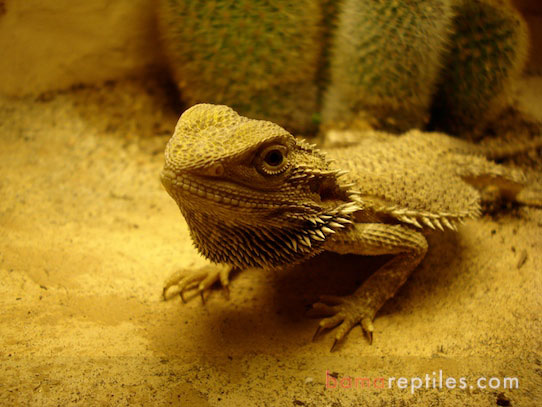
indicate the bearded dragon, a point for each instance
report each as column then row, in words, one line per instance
column 255, row 196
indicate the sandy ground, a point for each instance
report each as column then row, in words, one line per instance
column 88, row 235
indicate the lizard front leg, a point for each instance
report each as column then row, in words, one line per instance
column 407, row 244
column 203, row 278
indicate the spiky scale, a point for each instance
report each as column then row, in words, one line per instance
column 320, row 234
column 343, row 220
column 415, row 222
column 447, row 223
column 327, row 230
column 305, row 241
column 438, row 224
column 336, row 225
column 293, row 242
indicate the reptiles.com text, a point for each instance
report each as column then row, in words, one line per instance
column 436, row 380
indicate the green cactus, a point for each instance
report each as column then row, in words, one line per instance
column 385, row 63
column 489, row 51
column 260, row 57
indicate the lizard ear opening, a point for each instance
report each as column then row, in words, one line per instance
column 273, row 160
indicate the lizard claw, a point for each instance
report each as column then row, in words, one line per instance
column 318, row 330
column 368, row 328
column 333, row 346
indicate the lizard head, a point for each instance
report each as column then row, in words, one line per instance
column 251, row 193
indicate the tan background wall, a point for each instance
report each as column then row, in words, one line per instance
column 53, row 44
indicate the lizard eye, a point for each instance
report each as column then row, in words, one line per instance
column 272, row 160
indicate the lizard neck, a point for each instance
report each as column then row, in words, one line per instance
column 243, row 245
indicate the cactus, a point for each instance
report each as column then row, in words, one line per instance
column 385, row 63
column 261, row 58
column 489, row 51
column 330, row 11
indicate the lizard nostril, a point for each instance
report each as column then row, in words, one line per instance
column 215, row 170
column 219, row 170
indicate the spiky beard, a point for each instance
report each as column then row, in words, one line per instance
column 286, row 240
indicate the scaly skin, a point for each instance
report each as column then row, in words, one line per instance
column 254, row 196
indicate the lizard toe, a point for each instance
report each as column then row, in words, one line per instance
column 321, row 309
column 202, row 280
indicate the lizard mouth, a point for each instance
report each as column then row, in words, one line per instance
column 194, row 189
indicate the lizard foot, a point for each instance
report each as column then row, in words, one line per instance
column 201, row 279
column 344, row 313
